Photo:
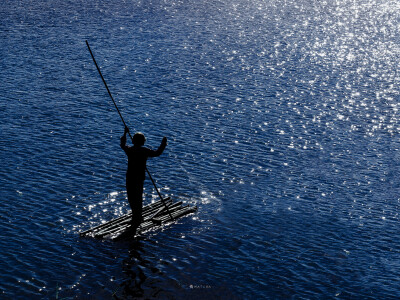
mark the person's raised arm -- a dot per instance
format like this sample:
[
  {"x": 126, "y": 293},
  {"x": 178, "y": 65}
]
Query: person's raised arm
[
  {"x": 123, "y": 139},
  {"x": 160, "y": 149}
]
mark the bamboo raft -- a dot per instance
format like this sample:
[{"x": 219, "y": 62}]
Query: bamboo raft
[{"x": 154, "y": 215}]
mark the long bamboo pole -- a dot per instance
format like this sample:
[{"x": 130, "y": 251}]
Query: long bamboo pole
[{"x": 123, "y": 121}]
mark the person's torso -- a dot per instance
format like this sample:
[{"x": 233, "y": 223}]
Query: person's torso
[{"x": 137, "y": 157}]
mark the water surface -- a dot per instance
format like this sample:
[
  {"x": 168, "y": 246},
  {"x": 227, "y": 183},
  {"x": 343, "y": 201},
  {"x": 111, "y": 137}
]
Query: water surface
[{"x": 283, "y": 123}]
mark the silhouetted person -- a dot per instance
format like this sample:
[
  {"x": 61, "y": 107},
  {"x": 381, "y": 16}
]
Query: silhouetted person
[{"x": 135, "y": 175}]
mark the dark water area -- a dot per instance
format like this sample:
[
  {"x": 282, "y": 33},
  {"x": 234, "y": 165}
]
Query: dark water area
[{"x": 283, "y": 127}]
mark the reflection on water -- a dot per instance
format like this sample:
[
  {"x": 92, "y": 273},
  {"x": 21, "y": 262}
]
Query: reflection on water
[{"x": 135, "y": 277}]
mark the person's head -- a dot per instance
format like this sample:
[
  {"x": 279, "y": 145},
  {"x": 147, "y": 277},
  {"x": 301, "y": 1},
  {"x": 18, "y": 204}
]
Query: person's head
[{"x": 139, "y": 139}]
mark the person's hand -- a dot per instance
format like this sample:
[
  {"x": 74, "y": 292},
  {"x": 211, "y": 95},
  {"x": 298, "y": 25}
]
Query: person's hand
[
  {"x": 164, "y": 140},
  {"x": 126, "y": 130}
]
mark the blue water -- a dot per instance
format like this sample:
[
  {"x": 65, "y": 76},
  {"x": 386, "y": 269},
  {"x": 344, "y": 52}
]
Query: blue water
[{"x": 283, "y": 127}]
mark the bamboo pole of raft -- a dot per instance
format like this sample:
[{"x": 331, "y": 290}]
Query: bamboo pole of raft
[
  {"x": 120, "y": 233},
  {"x": 116, "y": 227},
  {"x": 125, "y": 223},
  {"x": 123, "y": 121},
  {"x": 176, "y": 210},
  {"x": 150, "y": 207},
  {"x": 121, "y": 219}
]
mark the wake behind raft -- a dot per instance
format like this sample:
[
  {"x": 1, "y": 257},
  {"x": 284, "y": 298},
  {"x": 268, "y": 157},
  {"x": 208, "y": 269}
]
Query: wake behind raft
[{"x": 154, "y": 215}]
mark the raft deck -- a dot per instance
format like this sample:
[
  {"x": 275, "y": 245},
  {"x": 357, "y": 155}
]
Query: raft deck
[{"x": 154, "y": 216}]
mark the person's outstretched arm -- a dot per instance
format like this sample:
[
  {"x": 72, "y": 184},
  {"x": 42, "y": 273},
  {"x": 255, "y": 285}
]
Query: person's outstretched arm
[{"x": 160, "y": 149}]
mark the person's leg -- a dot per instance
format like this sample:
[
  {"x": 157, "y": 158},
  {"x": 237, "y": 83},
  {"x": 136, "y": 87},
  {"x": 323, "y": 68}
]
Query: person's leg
[
  {"x": 136, "y": 204},
  {"x": 135, "y": 197}
]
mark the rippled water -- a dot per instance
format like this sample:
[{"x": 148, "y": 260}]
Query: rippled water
[{"x": 283, "y": 124}]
